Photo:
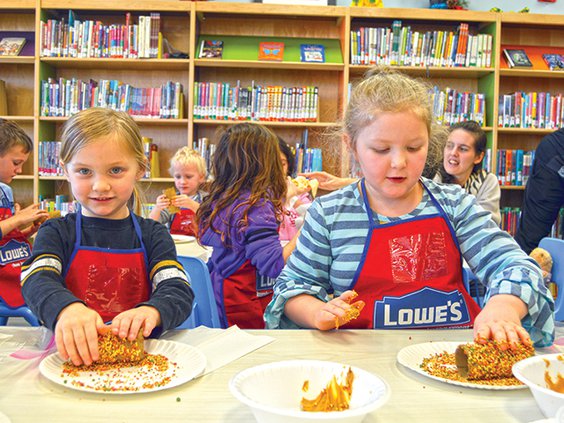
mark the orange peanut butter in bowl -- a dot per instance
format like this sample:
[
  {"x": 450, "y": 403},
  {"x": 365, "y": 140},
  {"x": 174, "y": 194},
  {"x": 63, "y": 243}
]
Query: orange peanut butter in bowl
[{"x": 336, "y": 396}]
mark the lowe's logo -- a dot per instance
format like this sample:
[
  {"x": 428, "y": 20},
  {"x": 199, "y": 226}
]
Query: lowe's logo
[
  {"x": 427, "y": 307},
  {"x": 14, "y": 251}
]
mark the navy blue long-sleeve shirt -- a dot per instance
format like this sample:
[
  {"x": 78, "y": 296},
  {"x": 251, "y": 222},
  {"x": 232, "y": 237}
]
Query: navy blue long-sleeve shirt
[
  {"x": 43, "y": 286},
  {"x": 544, "y": 194}
]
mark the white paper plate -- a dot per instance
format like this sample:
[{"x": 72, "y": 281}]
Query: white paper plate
[
  {"x": 181, "y": 239},
  {"x": 412, "y": 357},
  {"x": 190, "y": 363}
]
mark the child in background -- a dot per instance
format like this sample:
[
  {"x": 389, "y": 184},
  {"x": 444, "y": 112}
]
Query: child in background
[
  {"x": 240, "y": 220},
  {"x": 16, "y": 224},
  {"x": 397, "y": 238},
  {"x": 104, "y": 262},
  {"x": 188, "y": 168},
  {"x": 296, "y": 201}
]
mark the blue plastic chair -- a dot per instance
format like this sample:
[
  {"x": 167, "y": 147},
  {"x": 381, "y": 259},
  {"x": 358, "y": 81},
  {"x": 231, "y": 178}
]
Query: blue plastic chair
[
  {"x": 6, "y": 312},
  {"x": 204, "y": 309},
  {"x": 555, "y": 247},
  {"x": 473, "y": 286}
]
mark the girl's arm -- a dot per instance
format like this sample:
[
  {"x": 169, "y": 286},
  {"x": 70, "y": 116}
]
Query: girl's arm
[
  {"x": 260, "y": 240},
  {"x": 310, "y": 312},
  {"x": 75, "y": 325},
  {"x": 328, "y": 181},
  {"x": 499, "y": 263},
  {"x": 306, "y": 272},
  {"x": 501, "y": 320},
  {"x": 42, "y": 282},
  {"x": 172, "y": 296}
]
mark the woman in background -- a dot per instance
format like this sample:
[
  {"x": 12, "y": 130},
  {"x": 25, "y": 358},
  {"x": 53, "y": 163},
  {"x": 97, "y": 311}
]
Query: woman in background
[{"x": 462, "y": 165}]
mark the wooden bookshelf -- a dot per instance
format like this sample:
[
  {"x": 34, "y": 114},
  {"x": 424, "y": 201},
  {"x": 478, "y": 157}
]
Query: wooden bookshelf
[
  {"x": 18, "y": 17},
  {"x": 185, "y": 23},
  {"x": 168, "y": 134},
  {"x": 242, "y": 28},
  {"x": 536, "y": 34}
]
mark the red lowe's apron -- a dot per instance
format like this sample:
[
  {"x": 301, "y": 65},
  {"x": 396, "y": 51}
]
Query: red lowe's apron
[
  {"x": 246, "y": 294},
  {"x": 109, "y": 281},
  {"x": 14, "y": 250},
  {"x": 410, "y": 275},
  {"x": 184, "y": 223}
]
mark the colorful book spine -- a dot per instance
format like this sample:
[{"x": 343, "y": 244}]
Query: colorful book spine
[
  {"x": 221, "y": 101},
  {"x": 531, "y": 110}
]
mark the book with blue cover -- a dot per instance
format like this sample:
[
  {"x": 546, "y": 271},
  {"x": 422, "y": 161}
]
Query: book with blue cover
[
  {"x": 312, "y": 53},
  {"x": 554, "y": 61}
]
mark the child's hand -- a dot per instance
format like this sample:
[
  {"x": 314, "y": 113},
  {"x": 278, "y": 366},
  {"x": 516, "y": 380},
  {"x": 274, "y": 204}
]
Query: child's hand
[
  {"x": 76, "y": 334},
  {"x": 500, "y": 320},
  {"x": 128, "y": 323},
  {"x": 185, "y": 202},
  {"x": 334, "y": 312},
  {"x": 292, "y": 189},
  {"x": 162, "y": 202},
  {"x": 295, "y": 189},
  {"x": 30, "y": 214},
  {"x": 328, "y": 181}
]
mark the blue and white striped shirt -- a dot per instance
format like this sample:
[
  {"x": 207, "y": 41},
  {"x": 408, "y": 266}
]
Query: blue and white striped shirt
[{"x": 332, "y": 240}]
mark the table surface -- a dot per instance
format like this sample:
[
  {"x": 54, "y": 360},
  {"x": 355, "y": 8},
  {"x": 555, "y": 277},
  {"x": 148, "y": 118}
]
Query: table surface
[{"x": 26, "y": 396}]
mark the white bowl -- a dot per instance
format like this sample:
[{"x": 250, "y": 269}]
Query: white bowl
[
  {"x": 273, "y": 391},
  {"x": 531, "y": 372}
]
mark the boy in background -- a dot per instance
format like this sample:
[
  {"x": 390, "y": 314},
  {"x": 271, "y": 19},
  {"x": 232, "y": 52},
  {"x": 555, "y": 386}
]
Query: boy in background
[
  {"x": 15, "y": 147},
  {"x": 188, "y": 169}
]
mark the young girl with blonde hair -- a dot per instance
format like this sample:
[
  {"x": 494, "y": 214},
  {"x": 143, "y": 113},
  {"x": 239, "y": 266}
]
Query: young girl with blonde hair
[
  {"x": 104, "y": 263},
  {"x": 398, "y": 239}
]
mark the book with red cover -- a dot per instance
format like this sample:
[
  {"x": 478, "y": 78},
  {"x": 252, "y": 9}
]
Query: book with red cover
[{"x": 271, "y": 50}]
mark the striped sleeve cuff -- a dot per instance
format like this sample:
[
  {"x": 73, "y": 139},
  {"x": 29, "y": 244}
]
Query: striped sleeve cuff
[{"x": 45, "y": 262}]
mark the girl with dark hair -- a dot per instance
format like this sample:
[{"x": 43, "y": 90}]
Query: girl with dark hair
[
  {"x": 462, "y": 164},
  {"x": 240, "y": 220}
]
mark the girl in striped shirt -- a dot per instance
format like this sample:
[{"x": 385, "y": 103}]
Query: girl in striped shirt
[{"x": 398, "y": 239}]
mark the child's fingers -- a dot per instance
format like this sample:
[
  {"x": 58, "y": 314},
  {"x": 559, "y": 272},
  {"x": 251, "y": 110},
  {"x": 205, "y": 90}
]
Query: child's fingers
[
  {"x": 91, "y": 334},
  {"x": 71, "y": 348},
  {"x": 135, "y": 327},
  {"x": 482, "y": 334},
  {"x": 59, "y": 341},
  {"x": 328, "y": 315},
  {"x": 514, "y": 335},
  {"x": 120, "y": 325},
  {"x": 348, "y": 296},
  {"x": 82, "y": 343},
  {"x": 103, "y": 329},
  {"x": 524, "y": 335},
  {"x": 494, "y": 331},
  {"x": 148, "y": 329}
]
